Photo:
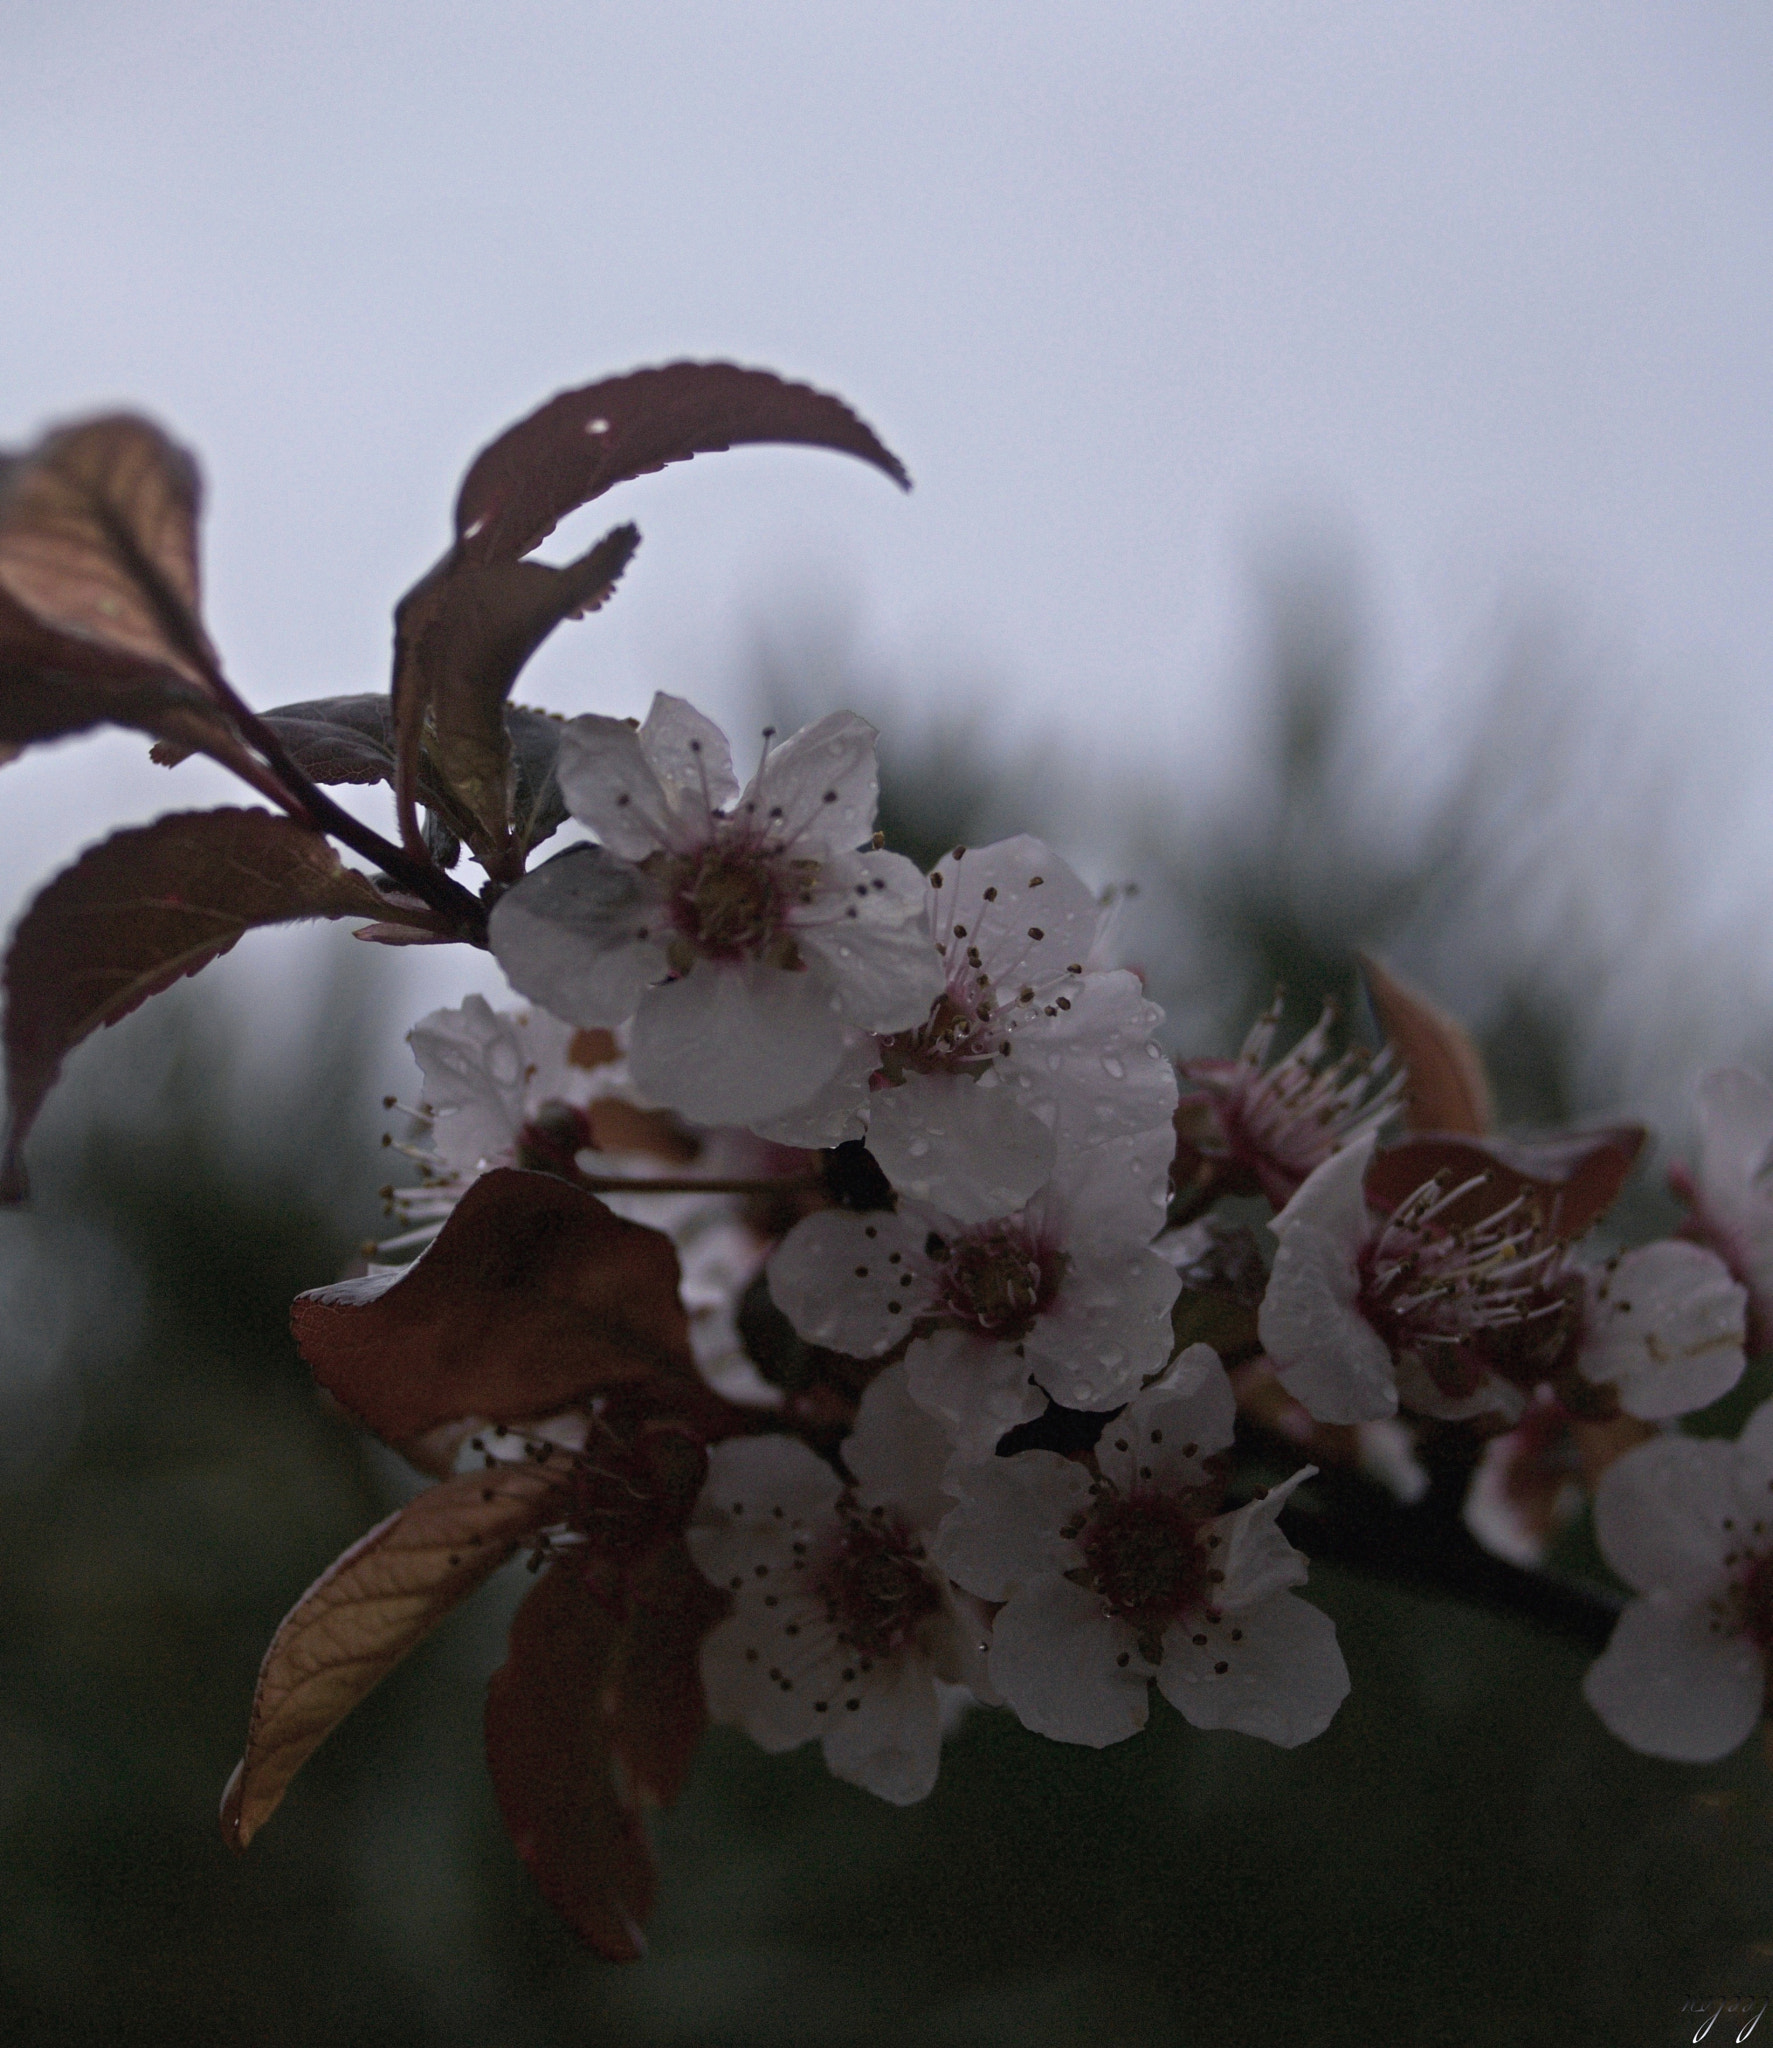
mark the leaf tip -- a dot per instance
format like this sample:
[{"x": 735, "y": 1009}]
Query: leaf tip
[{"x": 237, "y": 1828}]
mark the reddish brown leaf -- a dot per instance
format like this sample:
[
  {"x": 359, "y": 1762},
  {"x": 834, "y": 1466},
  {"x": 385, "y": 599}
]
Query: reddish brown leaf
[
  {"x": 533, "y": 1296},
  {"x": 1445, "y": 1085},
  {"x": 98, "y": 543},
  {"x": 583, "y": 443},
  {"x": 99, "y": 614},
  {"x": 1572, "y": 1179},
  {"x": 548, "y": 1749},
  {"x": 460, "y": 638},
  {"x": 135, "y": 913},
  {"x": 656, "y": 1706},
  {"x": 366, "y": 1611}
]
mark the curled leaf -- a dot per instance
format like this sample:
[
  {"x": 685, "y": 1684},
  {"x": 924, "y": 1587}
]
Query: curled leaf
[
  {"x": 134, "y": 914},
  {"x": 534, "y": 1295},
  {"x": 548, "y": 1747},
  {"x": 461, "y": 636},
  {"x": 1445, "y": 1087},
  {"x": 585, "y": 442},
  {"x": 1570, "y": 1180},
  {"x": 366, "y": 1611}
]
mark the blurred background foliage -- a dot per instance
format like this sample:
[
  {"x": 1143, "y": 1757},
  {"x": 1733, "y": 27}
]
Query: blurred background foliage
[{"x": 1464, "y": 1858}]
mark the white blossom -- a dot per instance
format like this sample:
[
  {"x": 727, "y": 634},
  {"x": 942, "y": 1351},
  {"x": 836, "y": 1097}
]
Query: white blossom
[
  {"x": 1277, "y": 1124},
  {"x": 743, "y": 932},
  {"x": 1363, "y": 1309},
  {"x": 1062, "y": 1297},
  {"x": 841, "y": 1627},
  {"x": 487, "y": 1073},
  {"x": 1110, "y": 1580},
  {"x": 1664, "y": 1327},
  {"x": 1029, "y": 1053},
  {"x": 1687, "y": 1523},
  {"x": 1732, "y": 1195}
]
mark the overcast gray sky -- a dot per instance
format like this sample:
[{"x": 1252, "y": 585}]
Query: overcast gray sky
[{"x": 1487, "y": 289}]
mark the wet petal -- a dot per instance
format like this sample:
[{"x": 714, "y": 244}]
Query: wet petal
[
  {"x": 729, "y": 1043},
  {"x": 1665, "y": 1327},
  {"x": 840, "y": 1278},
  {"x": 582, "y": 935},
  {"x": 973, "y": 1151}
]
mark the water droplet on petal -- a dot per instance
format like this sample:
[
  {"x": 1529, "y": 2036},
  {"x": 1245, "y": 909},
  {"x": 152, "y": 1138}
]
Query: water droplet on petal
[
  {"x": 1113, "y": 1068},
  {"x": 918, "y": 1148}
]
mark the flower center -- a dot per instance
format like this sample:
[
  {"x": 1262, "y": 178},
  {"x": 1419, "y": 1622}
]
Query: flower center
[
  {"x": 876, "y": 1588},
  {"x": 995, "y": 1281},
  {"x": 1145, "y": 1555},
  {"x": 1483, "y": 1296},
  {"x": 1746, "y": 1609},
  {"x": 730, "y": 901}
]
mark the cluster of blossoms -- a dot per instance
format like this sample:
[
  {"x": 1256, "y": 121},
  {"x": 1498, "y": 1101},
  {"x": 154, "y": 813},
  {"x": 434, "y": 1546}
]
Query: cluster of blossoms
[
  {"x": 918, "y": 1133},
  {"x": 829, "y": 1280}
]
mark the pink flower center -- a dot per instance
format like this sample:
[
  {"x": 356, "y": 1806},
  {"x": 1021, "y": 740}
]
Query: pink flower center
[
  {"x": 1145, "y": 1555},
  {"x": 1747, "y": 1608},
  {"x": 1449, "y": 1295},
  {"x": 875, "y": 1586},
  {"x": 731, "y": 900},
  {"x": 997, "y": 1280}
]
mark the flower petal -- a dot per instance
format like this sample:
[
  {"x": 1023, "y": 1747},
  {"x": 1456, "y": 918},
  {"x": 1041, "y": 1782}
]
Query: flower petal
[
  {"x": 891, "y": 1745},
  {"x": 1107, "y": 1329},
  {"x": 825, "y": 783},
  {"x": 1273, "y": 1670},
  {"x": 897, "y": 1453},
  {"x": 972, "y": 1150},
  {"x": 1255, "y": 1557},
  {"x": 1665, "y": 1327},
  {"x": 609, "y": 784},
  {"x": 730, "y": 1042},
  {"x": 1093, "y": 1072},
  {"x": 569, "y": 936},
  {"x": 839, "y": 1277},
  {"x": 977, "y": 1389},
  {"x": 1659, "y": 1513},
  {"x": 1038, "y": 923},
  {"x": 1324, "y": 1351},
  {"x": 1668, "y": 1686},
  {"x": 735, "y": 1526},
  {"x": 839, "y": 1110},
  {"x": 1172, "y": 1428},
  {"x": 1066, "y": 1668},
  {"x": 473, "y": 1065},
  {"x": 690, "y": 756},
  {"x": 868, "y": 921},
  {"x": 1006, "y": 1528}
]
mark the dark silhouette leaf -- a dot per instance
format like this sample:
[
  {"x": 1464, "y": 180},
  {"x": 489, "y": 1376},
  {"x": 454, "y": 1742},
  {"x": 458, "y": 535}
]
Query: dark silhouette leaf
[
  {"x": 367, "y": 1610},
  {"x": 134, "y": 914},
  {"x": 584, "y": 442},
  {"x": 657, "y": 1709},
  {"x": 533, "y": 1296},
  {"x": 548, "y": 1747}
]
